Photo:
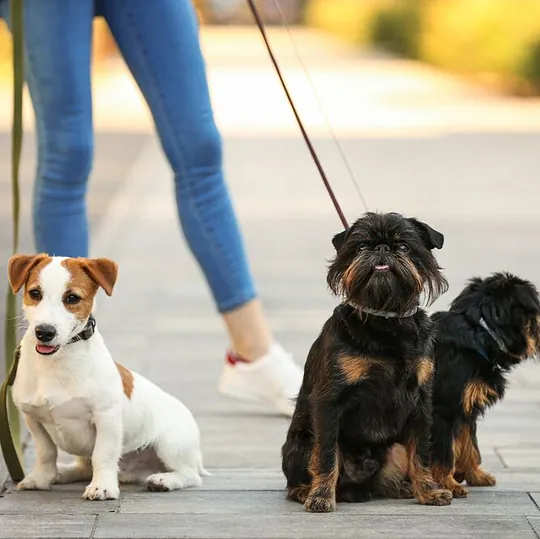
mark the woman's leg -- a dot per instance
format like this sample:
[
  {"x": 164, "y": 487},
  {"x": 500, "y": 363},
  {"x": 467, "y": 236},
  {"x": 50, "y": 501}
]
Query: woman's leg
[
  {"x": 57, "y": 47},
  {"x": 160, "y": 43}
]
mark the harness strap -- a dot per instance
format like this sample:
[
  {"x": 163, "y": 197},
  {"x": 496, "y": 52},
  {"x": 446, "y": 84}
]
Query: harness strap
[{"x": 10, "y": 434}]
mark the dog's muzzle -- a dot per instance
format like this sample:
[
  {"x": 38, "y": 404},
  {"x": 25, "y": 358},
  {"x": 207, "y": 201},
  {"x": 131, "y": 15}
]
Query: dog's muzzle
[{"x": 45, "y": 333}]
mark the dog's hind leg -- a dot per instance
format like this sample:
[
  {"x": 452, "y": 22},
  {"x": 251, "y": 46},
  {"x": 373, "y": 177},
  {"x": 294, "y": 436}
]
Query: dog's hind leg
[
  {"x": 183, "y": 464},
  {"x": 392, "y": 480},
  {"x": 78, "y": 471},
  {"x": 469, "y": 461},
  {"x": 355, "y": 492},
  {"x": 136, "y": 466}
]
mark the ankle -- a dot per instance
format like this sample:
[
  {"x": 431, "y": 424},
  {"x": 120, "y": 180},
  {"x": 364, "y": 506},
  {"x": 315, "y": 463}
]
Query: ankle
[
  {"x": 249, "y": 354},
  {"x": 248, "y": 330}
]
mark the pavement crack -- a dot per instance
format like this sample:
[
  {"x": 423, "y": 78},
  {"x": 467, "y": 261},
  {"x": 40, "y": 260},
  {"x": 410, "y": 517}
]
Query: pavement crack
[
  {"x": 119, "y": 504},
  {"x": 533, "y": 500},
  {"x": 532, "y": 528},
  {"x": 500, "y": 457},
  {"x": 94, "y": 527}
]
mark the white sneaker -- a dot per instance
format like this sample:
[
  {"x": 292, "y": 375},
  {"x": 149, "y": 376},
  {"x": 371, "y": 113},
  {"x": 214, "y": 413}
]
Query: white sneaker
[{"x": 273, "y": 380}]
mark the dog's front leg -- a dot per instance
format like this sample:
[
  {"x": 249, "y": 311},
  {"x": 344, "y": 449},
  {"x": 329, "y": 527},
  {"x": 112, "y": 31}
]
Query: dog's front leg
[
  {"x": 443, "y": 457},
  {"x": 105, "y": 456},
  {"x": 43, "y": 473},
  {"x": 425, "y": 490},
  {"x": 324, "y": 461}
]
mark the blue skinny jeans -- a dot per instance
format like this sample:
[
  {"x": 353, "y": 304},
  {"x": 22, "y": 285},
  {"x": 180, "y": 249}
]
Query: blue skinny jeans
[{"x": 160, "y": 43}]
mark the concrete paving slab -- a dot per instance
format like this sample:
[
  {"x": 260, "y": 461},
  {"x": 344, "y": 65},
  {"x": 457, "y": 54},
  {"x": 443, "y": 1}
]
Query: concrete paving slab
[
  {"x": 43, "y": 527},
  {"x": 300, "y": 526}
]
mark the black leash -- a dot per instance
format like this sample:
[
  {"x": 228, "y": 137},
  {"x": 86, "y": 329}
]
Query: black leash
[{"x": 260, "y": 24}]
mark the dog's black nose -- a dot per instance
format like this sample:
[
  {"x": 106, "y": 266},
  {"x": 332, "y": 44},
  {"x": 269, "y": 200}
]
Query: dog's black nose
[
  {"x": 45, "y": 333},
  {"x": 382, "y": 248}
]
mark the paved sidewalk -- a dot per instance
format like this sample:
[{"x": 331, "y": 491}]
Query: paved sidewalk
[{"x": 480, "y": 189}]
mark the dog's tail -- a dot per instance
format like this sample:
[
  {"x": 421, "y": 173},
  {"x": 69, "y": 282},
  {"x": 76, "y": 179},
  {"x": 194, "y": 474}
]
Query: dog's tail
[{"x": 200, "y": 467}]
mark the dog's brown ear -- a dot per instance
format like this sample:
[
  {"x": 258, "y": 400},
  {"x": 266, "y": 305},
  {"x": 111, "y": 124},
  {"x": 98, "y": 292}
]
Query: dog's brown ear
[
  {"x": 103, "y": 271},
  {"x": 20, "y": 266},
  {"x": 432, "y": 238},
  {"x": 339, "y": 239}
]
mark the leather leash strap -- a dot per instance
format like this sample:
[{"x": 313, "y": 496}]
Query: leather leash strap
[
  {"x": 9, "y": 449},
  {"x": 11, "y": 457},
  {"x": 260, "y": 24}
]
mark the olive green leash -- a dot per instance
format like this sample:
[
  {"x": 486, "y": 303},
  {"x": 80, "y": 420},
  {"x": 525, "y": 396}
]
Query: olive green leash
[{"x": 10, "y": 441}]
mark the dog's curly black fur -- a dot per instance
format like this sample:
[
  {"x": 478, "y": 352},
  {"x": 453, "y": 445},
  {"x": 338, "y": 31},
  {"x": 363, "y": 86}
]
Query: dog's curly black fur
[
  {"x": 472, "y": 363},
  {"x": 362, "y": 419}
]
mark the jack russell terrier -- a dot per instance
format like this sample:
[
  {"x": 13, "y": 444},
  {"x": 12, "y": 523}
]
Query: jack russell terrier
[{"x": 73, "y": 396}]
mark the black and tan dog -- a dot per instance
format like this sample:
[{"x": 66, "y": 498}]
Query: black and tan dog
[
  {"x": 492, "y": 326},
  {"x": 362, "y": 419}
]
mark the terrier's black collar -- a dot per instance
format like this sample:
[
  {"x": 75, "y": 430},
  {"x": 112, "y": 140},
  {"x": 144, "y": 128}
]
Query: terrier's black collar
[{"x": 87, "y": 332}]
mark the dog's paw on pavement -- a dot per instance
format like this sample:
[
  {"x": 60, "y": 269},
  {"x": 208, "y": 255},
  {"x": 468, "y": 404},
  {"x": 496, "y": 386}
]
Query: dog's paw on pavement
[
  {"x": 101, "y": 492},
  {"x": 36, "y": 482}
]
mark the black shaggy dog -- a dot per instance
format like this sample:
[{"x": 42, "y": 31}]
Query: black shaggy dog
[
  {"x": 362, "y": 419},
  {"x": 491, "y": 327}
]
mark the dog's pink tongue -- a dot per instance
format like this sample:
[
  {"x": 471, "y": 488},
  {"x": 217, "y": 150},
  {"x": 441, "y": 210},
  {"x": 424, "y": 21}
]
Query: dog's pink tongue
[
  {"x": 44, "y": 349},
  {"x": 382, "y": 267}
]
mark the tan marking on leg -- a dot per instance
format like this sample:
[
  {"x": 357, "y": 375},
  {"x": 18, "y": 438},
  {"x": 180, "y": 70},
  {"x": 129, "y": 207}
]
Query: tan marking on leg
[
  {"x": 392, "y": 479},
  {"x": 445, "y": 479},
  {"x": 425, "y": 489},
  {"x": 477, "y": 393},
  {"x": 468, "y": 461},
  {"x": 322, "y": 493},
  {"x": 299, "y": 493}
]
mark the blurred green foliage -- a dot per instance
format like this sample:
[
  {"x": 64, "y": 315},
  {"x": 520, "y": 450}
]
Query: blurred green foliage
[
  {"x": 396, "y": 28},
  {"x": 494, "y": 41}
]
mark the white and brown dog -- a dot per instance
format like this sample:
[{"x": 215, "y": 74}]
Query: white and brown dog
[{"x": 73, "y": 396}]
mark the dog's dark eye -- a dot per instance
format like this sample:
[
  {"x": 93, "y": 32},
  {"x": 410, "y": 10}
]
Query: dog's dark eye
[
  {"x": 362, "y": 247},
  {"x": 403, "y": 248},
  {"x": 35, "y": 294},
  {"x": 72, "y": 299}
]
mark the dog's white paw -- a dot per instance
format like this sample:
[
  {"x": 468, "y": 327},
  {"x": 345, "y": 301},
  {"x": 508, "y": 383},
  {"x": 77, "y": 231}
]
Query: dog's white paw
[
  {"x": 36, "y": 482},
  {"x": 101, "y": 492},
  {"x": 163, "y": 482},
  {"x": 160, "y": 482}
]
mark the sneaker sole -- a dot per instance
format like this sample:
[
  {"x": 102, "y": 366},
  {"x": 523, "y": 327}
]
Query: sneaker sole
[{"x": 283, "y": 407}]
